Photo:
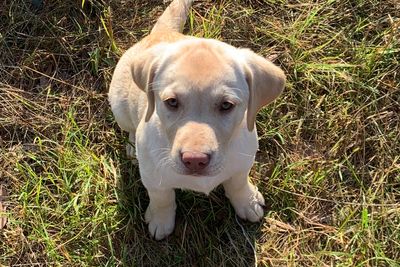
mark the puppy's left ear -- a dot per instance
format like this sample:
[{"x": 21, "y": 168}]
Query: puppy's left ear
[{"x": 265, "y": 81}]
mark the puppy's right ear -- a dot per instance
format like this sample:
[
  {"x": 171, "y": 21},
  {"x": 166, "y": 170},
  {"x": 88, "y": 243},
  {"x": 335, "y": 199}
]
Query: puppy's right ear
[{"x": 143, "y": 70}]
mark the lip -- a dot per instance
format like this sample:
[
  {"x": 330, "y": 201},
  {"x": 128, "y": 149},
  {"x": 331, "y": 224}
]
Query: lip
[
  {"x": 196, "y": 174},
  {"x": 207, "y": 172}
]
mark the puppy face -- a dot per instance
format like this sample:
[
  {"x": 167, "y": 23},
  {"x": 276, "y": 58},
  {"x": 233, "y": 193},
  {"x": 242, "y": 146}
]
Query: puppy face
[
  {"x": 200, "y": 97},
  {"x": 200, "y": 91}
]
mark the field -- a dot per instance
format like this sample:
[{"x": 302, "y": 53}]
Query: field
[{"x": 329, "y": 158}]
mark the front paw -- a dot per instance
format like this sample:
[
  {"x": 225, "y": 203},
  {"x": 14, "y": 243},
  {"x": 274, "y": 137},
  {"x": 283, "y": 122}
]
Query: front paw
[
  {"x": 161, "y": 222},
  {"x": 249, "y": 204}
]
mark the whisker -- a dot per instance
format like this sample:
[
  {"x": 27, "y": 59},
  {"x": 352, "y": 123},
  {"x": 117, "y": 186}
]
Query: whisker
[
  {"x": 160, "y": 149},
  {"x": 244, "y": 154}
]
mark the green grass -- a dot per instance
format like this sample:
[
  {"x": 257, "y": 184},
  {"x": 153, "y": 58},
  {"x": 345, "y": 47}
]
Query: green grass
[{"x": 329, "y": 159}]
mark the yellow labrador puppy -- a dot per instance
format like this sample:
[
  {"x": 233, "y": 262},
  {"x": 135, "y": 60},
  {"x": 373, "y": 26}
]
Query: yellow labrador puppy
[{"x": 190, "y": 104}]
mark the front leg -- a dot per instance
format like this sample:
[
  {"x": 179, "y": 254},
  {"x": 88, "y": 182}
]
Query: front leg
[
  {"x": 245, "y": 197},
  {"x": 160, "y": 214},
  {"x": 130, "y": 149}
]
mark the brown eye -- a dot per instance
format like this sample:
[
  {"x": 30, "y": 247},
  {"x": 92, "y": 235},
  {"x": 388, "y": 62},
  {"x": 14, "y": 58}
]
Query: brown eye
[
  {"x": 172, "y": 103},
  {"x": 226, "y": 106}
]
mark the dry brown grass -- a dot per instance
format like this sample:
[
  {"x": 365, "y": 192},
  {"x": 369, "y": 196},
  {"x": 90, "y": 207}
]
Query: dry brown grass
[{"x": 329, "y": 147}]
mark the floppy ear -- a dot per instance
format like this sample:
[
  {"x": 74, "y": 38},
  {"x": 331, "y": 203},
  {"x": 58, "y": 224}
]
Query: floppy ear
[
  {"x": 143, "y": 70},
  {"x": 265, "y": 81}
]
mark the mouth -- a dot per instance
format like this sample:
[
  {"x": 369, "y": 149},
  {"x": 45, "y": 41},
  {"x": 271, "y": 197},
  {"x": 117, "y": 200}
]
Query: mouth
[
  {"x": 208, "y": 172},
  {"x": 196, "y": 174}
]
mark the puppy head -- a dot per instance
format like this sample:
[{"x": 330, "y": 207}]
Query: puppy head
[{"x": 201, "y": 90}]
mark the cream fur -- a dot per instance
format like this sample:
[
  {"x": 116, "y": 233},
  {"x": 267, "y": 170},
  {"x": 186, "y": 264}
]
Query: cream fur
[{"x": 200, "y": 74}]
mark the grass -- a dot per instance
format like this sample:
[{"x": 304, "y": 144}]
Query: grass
[{"x": 329, "y": 159}]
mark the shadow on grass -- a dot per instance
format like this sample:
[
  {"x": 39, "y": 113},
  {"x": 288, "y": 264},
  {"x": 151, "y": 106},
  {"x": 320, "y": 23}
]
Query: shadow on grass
[{"x": 207, "y": 231}]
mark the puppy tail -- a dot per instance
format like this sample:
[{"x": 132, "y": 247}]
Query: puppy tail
[{"x": 174, "y": 17}]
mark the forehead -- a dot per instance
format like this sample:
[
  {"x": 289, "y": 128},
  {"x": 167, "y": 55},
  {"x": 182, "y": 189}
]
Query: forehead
[{"x": 201, "y": 66}]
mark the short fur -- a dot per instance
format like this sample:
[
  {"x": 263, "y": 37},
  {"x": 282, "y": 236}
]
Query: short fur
[{"x": 202, "y": 75}]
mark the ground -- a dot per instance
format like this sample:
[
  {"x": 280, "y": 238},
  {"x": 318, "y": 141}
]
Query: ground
[{"x": 329, "y": 157}]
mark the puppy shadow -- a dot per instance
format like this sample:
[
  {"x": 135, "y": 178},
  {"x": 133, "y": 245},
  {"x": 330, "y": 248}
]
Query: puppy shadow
[{"x": 207, "y": 231}]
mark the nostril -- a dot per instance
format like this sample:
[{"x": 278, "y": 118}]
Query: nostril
[{"x": 195, "y": 161}]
